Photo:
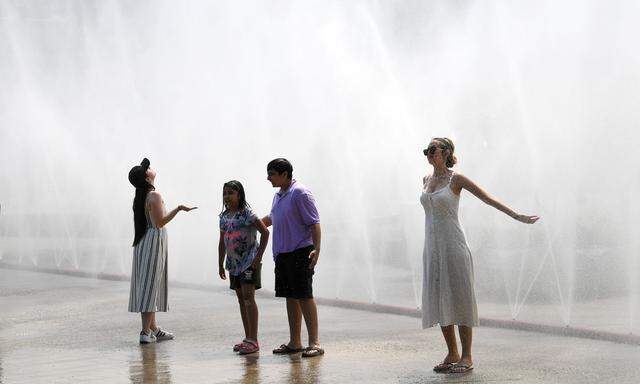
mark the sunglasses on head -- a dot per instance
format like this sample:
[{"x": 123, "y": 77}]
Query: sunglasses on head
[{"x": 431, "y": 150}]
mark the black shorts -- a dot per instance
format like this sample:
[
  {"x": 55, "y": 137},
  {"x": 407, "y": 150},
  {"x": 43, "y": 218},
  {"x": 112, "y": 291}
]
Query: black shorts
[
  {"x": 294, "y": 279},
  {"x": 248, "y": 276}
]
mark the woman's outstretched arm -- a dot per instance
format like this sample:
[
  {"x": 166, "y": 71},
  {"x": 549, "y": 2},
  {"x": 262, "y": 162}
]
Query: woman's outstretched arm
[
  {"x": 155, "y": 205},
  {"x": 463, "y": 182}
]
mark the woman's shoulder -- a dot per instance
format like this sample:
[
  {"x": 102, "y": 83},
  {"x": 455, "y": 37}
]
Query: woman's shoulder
[
  {"x": 458, "y": 179},
  {"x": 154, "y": 195},
  {"x": 457, "y": 176}
]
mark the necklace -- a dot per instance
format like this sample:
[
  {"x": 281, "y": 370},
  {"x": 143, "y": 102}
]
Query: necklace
[{"x": 444, "y": 176}]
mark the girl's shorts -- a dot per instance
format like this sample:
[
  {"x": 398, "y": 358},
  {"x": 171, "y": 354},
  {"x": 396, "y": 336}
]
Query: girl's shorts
[{"x": 248, "y": 276}]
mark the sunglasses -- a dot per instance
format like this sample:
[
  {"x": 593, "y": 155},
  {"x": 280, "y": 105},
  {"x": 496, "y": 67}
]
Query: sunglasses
[{"x": 431, "y": 150}]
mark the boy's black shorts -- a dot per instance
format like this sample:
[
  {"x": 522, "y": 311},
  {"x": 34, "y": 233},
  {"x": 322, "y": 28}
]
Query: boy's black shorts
[{"x": 294, "y": 279}]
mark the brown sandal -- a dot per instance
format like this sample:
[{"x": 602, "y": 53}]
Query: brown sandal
[
  {"x": 284, "y": 349},
  {"x": 313, "y": 351},
  {"x": 443, "y": 367},
  {"x": 461, "y": 368}
]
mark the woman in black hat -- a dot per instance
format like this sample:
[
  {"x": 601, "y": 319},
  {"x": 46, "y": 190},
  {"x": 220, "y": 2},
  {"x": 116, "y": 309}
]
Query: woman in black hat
[{"x": 148, "y": 293}]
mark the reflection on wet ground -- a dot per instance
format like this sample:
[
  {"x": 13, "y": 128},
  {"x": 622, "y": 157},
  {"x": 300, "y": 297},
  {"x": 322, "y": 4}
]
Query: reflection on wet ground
[
  {"x": 251, "y": 374},
  {"x": 283, "y": 369},
  {"x": 305, "y": 370},
  {"x": 150, "y": 367},
  {"x": 73, "y": 330}
]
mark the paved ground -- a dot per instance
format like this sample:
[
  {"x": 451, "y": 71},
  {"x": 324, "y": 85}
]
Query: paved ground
[{"x": 61, "y": 329}]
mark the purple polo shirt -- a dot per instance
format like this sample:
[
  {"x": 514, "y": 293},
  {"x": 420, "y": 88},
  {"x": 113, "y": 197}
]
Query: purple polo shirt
[{"x": 293, "y": 212}]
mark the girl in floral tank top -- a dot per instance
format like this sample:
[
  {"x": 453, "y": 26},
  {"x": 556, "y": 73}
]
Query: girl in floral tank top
[{"x": 238, "y": 229}]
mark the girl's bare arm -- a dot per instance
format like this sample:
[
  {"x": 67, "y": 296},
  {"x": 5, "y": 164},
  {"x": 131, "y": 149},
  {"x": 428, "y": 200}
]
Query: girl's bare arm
[
  {"x": 221, "y": 253},
  {"x": 264, "y": 240}
]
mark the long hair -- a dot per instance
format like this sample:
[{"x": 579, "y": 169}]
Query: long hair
[
  {"x": 139, "y": 216},
  {"x": 242, "y": 200}
]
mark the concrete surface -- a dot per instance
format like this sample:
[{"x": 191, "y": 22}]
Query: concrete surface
[{"x": 62, "y": 329}]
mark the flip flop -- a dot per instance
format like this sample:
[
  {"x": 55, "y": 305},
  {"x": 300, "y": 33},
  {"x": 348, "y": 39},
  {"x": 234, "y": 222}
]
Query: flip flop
[
  {"x": 443, "y": 367},
  {"x": 284, "y": 349},
  {"x": 313, "y": 352},
  {"x": 249, "y": 347},
  {"x": 461, "y": 368},
  {"x": 236, "y": 347}
]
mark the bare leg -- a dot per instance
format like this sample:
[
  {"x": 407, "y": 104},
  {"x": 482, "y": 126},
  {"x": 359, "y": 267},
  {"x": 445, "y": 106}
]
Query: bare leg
[
  {"x": 243, "y": 313},
  {"x": 449, "y": 334},
  {"x": 310, "y": 313},
  {"x": 295, "y": 323},
  {"x": 153, "y": 324},
  {"x": 147, "y": 319},
  {"x": 466, "y": 336},
  {"x": 251, "y": 310}
]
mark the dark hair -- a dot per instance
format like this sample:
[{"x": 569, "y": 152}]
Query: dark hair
[
  {"x": 242, "y": 200},
  {"x": 447, "y": 145},
  {"x": 139, "y": 216},
  {"x": 281, "y": 165},
  {"x": 138, "y": 178}
]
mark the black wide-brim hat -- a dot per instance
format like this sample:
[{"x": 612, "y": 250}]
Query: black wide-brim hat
[{"x": 138, "y": 174}]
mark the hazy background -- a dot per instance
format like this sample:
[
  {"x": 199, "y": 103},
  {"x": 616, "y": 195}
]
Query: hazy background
[{"x": 540, "y": 97}]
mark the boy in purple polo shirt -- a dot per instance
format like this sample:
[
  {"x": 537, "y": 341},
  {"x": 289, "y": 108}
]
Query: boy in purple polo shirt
[{"x": 296, "y": 248}]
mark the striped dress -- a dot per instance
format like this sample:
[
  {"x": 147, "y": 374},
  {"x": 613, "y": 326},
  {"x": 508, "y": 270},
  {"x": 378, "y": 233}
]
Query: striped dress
[{"x": 149, "y": 271}]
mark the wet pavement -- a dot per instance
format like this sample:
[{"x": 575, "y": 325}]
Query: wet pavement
[{"x": 62, "y": 329}]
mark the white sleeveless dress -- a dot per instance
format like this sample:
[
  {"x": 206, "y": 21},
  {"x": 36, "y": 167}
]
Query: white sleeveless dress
[
  {"x": 448, "y": 296},
  {"x": 148, "y": 291}
]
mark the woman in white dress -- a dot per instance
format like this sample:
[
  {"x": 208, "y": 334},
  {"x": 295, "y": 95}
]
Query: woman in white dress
[{"x": 448, "y": 296}]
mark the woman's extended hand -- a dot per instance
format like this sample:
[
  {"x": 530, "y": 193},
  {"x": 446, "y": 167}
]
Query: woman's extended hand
[
  {"x": 185, "y": 208},
  {"x": 526, "y": 219},
  {"x": 223, "y": 275}
]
